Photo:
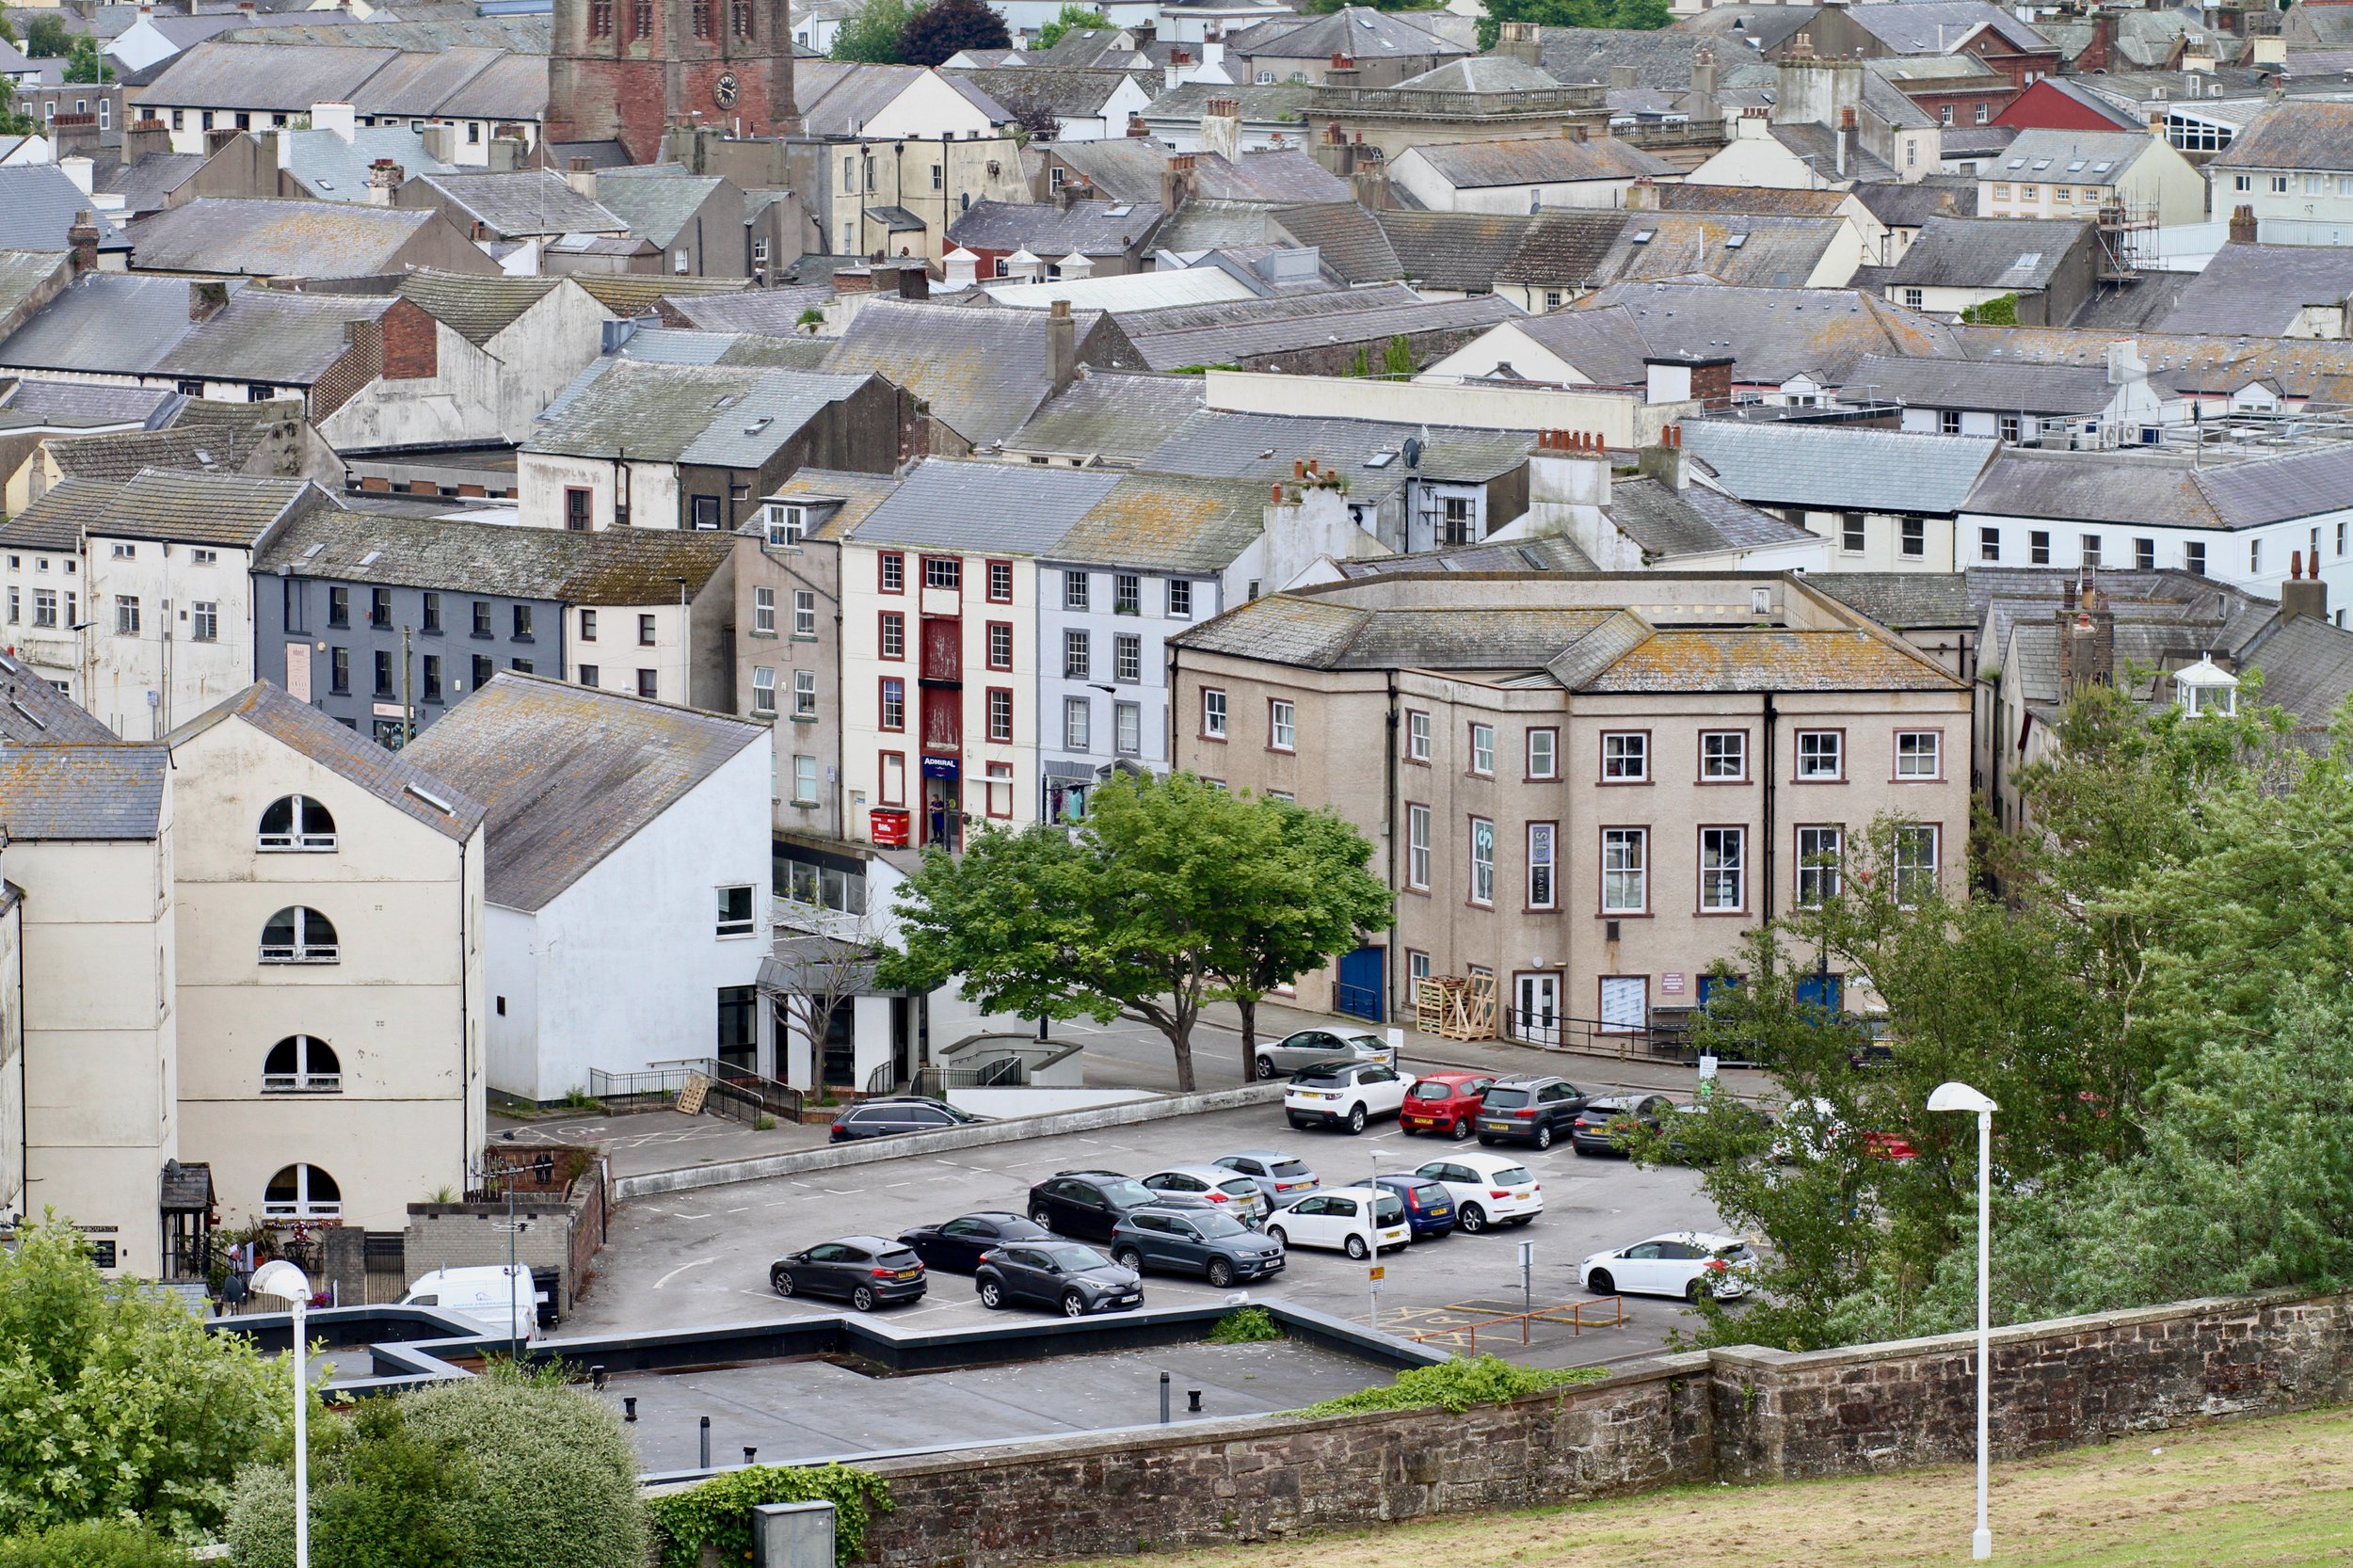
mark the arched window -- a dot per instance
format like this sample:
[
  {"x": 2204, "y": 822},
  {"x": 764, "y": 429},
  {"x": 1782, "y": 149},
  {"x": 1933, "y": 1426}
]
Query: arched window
[
  {"x": 302, "y": 1192},
  {"x": 301, "y": 1064},
  {"x": 296, "y": 822},
  {"x": 299, "y": 936}
]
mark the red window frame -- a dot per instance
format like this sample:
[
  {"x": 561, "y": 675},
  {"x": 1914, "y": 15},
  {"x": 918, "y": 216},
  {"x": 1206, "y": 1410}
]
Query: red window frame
[
  {"x": 994, "y": 627},
  {"x": 995, "y": 785},
  {"x": 883, "y": 564},
  {"x": 996, "y": 735},
  {"x": 882, "y": 636},
  {"x": 881, "y": 778},
  {"x": 996, "y": 569},
  {"x": 882, "y": 704}
]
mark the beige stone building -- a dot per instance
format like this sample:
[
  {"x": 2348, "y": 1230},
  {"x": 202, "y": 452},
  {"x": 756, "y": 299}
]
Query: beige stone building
[{"x": 1587, "y": 787}]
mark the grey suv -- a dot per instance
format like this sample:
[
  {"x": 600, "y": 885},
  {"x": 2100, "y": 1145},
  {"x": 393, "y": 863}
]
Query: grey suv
[
  {"x": 1216, "y": 1246},
  {"x": 1530, "y": 1108}
]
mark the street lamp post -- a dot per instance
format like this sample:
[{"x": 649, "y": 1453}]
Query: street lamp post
[
  {"x": 281, "y": 1279},
  {"x": 1960, "y": 1096}
]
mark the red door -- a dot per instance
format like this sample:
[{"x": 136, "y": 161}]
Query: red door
[
  {"x": 943, "y": 648},
  {"x": 943, "y": 721}
]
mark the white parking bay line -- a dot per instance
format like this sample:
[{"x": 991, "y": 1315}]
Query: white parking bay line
[{"x": 682, "y": 1269}]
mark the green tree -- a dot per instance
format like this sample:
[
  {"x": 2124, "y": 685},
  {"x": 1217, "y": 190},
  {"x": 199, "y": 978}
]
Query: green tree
[
  {"x": 870, "y": 33},
  {"x": 506, "y": 1470},
  {"x": 1635, "y": 15},
  {"x": 115, "y": 1403},
  {"x": 1066, "y": 18},
  {"x": 948, "y": 27},
  {"x": 46, "y": 38},
  {"x": 84, "y": 63},
  {"x": 1170, "y": 893},
  {"x": 1297, "y": 911},
  {"x": 1396, "y": 357}
]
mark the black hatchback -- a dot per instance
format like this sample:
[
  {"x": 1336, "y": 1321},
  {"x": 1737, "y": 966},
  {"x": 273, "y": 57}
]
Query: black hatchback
[
  {"x": 1091, "y": 1204},
  {"x": 880, "y": 1118},
  {"x": 1077, "y": 1280},
  {"x": 1528, "y": 1107},
  {"x": 1605, "y": 1123},
  {"x": 958, "y": 1244},
  {"x": 867, "y": 1272}
]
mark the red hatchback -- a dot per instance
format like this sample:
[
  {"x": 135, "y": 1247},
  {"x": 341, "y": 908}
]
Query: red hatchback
[{"x": 1444, "y": 1102}]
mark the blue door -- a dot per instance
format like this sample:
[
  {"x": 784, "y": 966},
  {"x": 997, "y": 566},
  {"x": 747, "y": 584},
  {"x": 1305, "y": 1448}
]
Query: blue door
[
  {"x": 1825, "y": 991},
  {"x": 1361, "y": 985}
]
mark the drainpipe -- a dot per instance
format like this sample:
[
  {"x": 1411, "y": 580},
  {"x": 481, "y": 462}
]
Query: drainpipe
[
  {"x": 1772, "y": 837},
  {"x": 1396, "y": 959}
]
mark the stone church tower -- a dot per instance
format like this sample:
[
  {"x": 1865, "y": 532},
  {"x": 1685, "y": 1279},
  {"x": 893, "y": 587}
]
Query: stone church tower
[{"x": 624, "y": 70}]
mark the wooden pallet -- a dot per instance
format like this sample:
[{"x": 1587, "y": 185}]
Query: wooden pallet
[
  {"x": 1456, "y": 1007},
  {"x": 690, "y": 1095}
]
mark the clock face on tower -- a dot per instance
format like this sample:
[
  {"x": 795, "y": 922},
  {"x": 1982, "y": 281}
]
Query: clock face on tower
[{"x": 724, "y": 89}]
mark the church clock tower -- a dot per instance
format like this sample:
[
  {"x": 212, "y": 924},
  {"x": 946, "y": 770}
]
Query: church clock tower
[{"x": 624, "y": 70}]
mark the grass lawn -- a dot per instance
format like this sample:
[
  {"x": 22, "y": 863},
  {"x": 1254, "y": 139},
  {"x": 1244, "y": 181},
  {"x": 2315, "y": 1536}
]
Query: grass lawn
[{"x": 2272, "y": 1494}]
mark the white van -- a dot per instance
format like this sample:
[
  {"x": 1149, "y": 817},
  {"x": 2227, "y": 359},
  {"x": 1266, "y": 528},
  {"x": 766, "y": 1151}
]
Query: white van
[{"x": 487, "y": 1296}]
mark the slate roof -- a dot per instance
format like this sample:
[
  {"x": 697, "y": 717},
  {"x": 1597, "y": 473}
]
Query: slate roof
[
  {"x": 1482, "y": 74},
  {"x": 1680, "y": 659},
  {"x": 526, "y": 201},
  {"x": 1168, "y": 522},
  {"x": 1086, "y": 228},
  {"x": 1902, "y": 600},
  {"x": 655, "y": 204},
  {"x": 308, "y": 239},
  {"x": 1355, "y": 30},
  {"x": 773, "y": 312},
  {"x": 1902, "y": 206},
  {"x": 77, "y": 793},
  {"x": 1552, "y": 554},
  {"x": 1129, "y": 169},
  {"x": 1772, "y": 334},
  {"x": 2137, "y": 488},
  {"x": 58, "y": 520},
  {"x": 2069, "y": 157},
  {"x": 203, "y": 509},
  {"x": 614, "y": 566},
  {"x": 1260, "y": 100},
  {"x": 476, "y": 306},
  {"x": 2301, "y": 367},
  {"x": 69, "y": 401},
  {"x": 2302, "y": 133},
  {"x": 1070, "y": 93},
  {"x": 273, "y": 335},
  {"x": 392, "y": 778},
  {"x": 1262, "y": 447},
  {"x": 1015, "y": 508},
  {"x": 2003, "y": 387},
  {"x": 1113, "y": 416},
  {"x": 1299, "y": 331},
  {"x": 853, "y": 495},
  {"x": 727, "y": 416},
  {"x": 2307, "y": 667},
  {"x": 1473, "y": 251},
  {"x": 1684, "y": 197},
  {"x": 1841, "y": 467},
  {"x": 1938, "y": 26},
  {"x": 330, "y": 169},
  {"x": 119, "y": 456},
  {"x": 637, "y": 294},
  {"x": 2020, "y": 253},
  {"x": 1695, "y": 520},
  {"x": 22, "y": 273},
  {"x": 32, "y": 712},
  {"x": 1348, "y": 240},
  {"x": 1660, "y": 59},
  {"x": 570, "y": 773},
  {"x": 982, "y": 371},
  {"x": 1538, "y": 160},
  {"x": 1762, "y": 250},
  {"x": 2259, "y": 290},
  {"x": 37, "y": 207}
]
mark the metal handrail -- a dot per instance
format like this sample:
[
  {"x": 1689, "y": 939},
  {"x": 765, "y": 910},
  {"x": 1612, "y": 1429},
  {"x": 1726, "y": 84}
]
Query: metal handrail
[
  {"x": 1576, "y": 1320},
  {"x": 737, "y": 1092}
]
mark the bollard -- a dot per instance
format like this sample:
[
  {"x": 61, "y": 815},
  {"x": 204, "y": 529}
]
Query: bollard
[
  {"x": 596, "y": 1379},
  {"x": 629, "y": 1407},
  {"x": 1193, "y": 1400},
  {"x": 703, "y": 1453},
  {"x": 1163, "y": 1399},
  {"x": 749, "y": 1453}
]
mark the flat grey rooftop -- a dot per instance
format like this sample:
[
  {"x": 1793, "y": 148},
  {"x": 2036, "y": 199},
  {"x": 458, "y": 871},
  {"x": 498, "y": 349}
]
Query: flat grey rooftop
[{"x": 797, "y": 1411}]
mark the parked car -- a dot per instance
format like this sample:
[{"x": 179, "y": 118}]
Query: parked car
[
  {"x": 958, "y": 1244},
  {"x": 880, "y": 1118},
  {"x": 1345, "y": 1093},
  {"x": 1809, "y": 1127},
  {"x": 1312, "y": 1046},
  {"x": 1428, "y": 1207},
  {"x": 1359, "y": 1220},
  {"x": 1723, "y": 1105},
  {"x": 1279, "y": 1175},
  {"x": 1445, "y": 1103},
  {"x": 1530, "y": 1108},
  {"x": 867, "y": 1272},
  {"x": 1079, "y": 1280},
  {"x": 1214, "y": 1185},
  {"x": 1089, "y": 1203},
  {"x": 1685, "y": 1263},
  {"x": 1487, "y": 1189},
  {"x": 1215, "y": 1246},
  {"x": 1605, "y": 1123}
]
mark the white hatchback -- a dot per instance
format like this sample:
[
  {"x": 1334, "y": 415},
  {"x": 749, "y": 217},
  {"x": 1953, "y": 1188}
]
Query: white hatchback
[
  {"x": 1686, "y": 1263},
  {"x": 1488, "y": 1189},
  {"x": 1359, "y": 1221}
]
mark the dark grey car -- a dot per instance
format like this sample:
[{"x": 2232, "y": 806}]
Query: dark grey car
[
  {"x": 1063, "y": 1275},
  {"x": 1216, "y": 1246},
  {"x": 865, "y": 1271}
]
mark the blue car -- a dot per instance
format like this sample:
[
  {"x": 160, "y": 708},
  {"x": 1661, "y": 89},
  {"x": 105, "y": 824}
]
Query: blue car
[{"x": 1428, "y": 1207}]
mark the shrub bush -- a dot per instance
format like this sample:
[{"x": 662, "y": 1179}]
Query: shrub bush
[
  {"x": 719, "y": 1511},
  {"x": 1245, "y": 1325},
  {"x": 1457, "y": 1385},
  {"x": 96, "y": 1543}
]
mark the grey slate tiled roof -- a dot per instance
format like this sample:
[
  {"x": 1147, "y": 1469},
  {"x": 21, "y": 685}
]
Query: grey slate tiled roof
[
  {"x": 1902, "y": 206},
  {"x": 1262, "y": 447},
  {"x": 2132, "y": 487},
  {"x": 775, "y": 312},
  {"x": 478, "y": 307},
  {"x": 1740, "y": 249},
  {"x": 2000, "y": 387},
  {"x": 68, "y": 792},
  {"x": 2259, "y": 290},
  {"x": 309, "y": 239},
  {"x": 2070, "y": 157},
  {"x": 612, "y": 566},
  {"x": 32, "y": 712},
  {"x": 329, "y": 168},
  {"x": 982, "y": 371},
  {"x": 203, "y": 509},
  {"x": 1469, "y": 251},
  {"x": 1841, "y": 467},
  {"x": 1349, "y": 240},
  {"x": 103, "y": 321},
  {"x": 58, "y": 520},
  {"x": 729, "y": 416},
  {"x": 1355, "y": 30},
  {"x": 1296, "y": 331},
  {"x": 273, "y": 335},
  {"x": 1538, "y": 160},
  {"x": 2010, "y": 253},
  {"x": 570, "y": 773},
  {"x": 1694, "y": 520},
  {"x": 524, "y": 202},
  {"x": 1553, "y": 554},
  {"x": 1017, "y": 508},
  {"x": 2307, "y": 667},
  {"x": 73, "y": 401},
  {"x": 1086, "y": 228},
  {"x": 2302, "y": 133},
  {"x": 24, "y": 273},
  {"x": 1902, "y": 599},
  {"x": 119, "y": 456},
  {"x": 1072, "y": 94},
  {"x": 1660, "y": 59},
  {"x": 1259, "y": 101},
  {"x": 1168, "y": 522},
  {"x": 392, "y": 778},
  {"x": 1482, "y": 74},
  {"x": 1117, "y": 417},
  {"x": 1936, "y": 26},
  {"x": 655, "y": 204},
  {"x": 37, "y": 207}
]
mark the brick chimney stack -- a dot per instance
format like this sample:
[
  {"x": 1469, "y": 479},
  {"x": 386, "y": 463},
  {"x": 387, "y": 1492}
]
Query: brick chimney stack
[
  {"x": 83, "y": 237},
  {"x": 2302, "y": 595},
  {"x": 2243, "y": 224}
]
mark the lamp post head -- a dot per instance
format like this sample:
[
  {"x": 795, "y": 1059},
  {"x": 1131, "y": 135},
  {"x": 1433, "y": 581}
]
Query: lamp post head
[
  {"x": 1960, "y": 1096},
  {"x": 281, "y": 1279}
]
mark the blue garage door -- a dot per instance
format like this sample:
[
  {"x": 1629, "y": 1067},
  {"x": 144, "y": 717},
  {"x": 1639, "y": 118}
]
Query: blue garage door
[
  {"x": 1825, "y": 991},
  {"x": 1361, "y": 985}
]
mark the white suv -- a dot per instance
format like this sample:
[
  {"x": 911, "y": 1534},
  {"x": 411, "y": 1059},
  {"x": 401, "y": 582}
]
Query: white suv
[
  {"x": 1345, "y": 1093},
  {"x": 1487, "y": 1188}
]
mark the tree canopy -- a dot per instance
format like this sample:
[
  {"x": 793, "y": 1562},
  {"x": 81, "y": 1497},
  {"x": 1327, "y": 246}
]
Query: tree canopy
[
  {"x": 1172, "y": 893},
  {"x": 2160, "y": 999},
  {"x": 1633, "y": 15},
  {"x": 1064, "y": 20},
  {"x": 947, "y": 27},
  {"x": 870, "y": 33}
]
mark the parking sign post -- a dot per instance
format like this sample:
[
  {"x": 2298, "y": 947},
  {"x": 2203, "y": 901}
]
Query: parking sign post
[{"x": 1373, "y": 1277}]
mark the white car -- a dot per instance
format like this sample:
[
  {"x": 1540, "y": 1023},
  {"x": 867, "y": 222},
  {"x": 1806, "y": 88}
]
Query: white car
[
  {"x": 1488, "y": 1189},
  {"x": 1345, "y": 1093},
  {"x": 1359, "y": 1220},
  {"x": 1685, "y": 1263}
]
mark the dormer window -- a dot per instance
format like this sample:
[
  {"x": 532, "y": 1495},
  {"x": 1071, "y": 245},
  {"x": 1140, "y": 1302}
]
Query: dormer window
[
  {"x": 787, "y": 526},
  {"x": 2207, "y": 688}
]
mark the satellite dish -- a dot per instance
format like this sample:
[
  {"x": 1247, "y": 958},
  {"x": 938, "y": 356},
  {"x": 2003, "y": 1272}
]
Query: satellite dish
[{"x": 1413, "y": 452}]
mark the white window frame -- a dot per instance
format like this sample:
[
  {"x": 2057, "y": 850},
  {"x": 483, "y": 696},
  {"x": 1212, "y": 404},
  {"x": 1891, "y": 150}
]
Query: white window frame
[
  {"x": 1916, "y": 747},
  {"x": 764, "y": 610},
  {"x": 1418, "y": 736},
  {"x": 1912, "y": 855},
  {"x": 1723, "y": 870},
  {"x": 805, "y": 693},
  {"x": 804, "y": 781},
  {"x": 1482, "y": 741},
  {"x": 1213, "y": 712},
  {"x": 747, "y": 924},
  {"x": 1714, "y": 755},
  {"x": 804, "y": 613},
  {"x": 1625, "y": 756},
  {"x": 1483, "y": 862},
  {"x": 1817, "y": 747},
  {"x": 763, "y": 691},
  {"x": 1624, "y": 870},
  {"x": 1821, "y": 864},
  {"x": 1418, "y": 847},
  {"x": 302, "y": 949},
  {"x": 1282, "y": 725}
]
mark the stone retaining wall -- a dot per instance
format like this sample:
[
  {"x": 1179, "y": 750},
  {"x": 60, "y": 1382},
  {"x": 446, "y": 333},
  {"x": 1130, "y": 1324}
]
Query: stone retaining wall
[{"x": 1741, "y": 1414}]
